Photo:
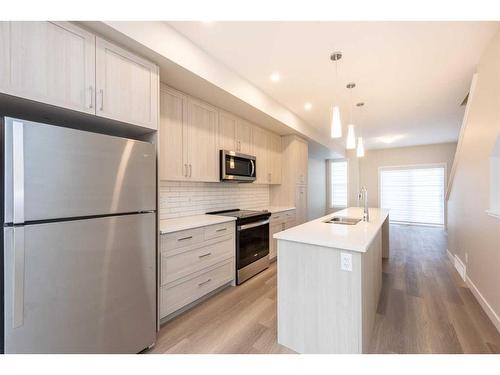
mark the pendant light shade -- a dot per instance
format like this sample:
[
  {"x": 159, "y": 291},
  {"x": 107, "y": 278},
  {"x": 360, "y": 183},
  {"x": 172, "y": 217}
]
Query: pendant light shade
[
  {"x": 336, "y": 127},
  {"x": 360, "y": 150},
  {"x": 351, "y": 138}
]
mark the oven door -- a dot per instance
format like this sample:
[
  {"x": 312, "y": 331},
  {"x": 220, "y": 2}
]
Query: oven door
[
  {"x": 237, "y": 167},
  {"x": 253, "y": 242}
]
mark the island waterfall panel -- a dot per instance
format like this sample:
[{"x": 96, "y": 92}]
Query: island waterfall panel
[{"x": 322, "y": 308}]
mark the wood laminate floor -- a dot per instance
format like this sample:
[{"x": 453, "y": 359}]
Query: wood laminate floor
[{"x": 424, "y": 307}]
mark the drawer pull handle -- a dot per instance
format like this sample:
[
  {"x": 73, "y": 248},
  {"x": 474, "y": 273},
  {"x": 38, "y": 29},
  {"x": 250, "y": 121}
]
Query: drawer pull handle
[
  {"x": 221, "y": 230},
  {"x": 185, "y": 238},
  {"x": 205, "y": 282},
  {"x": 204, "y": 255}
]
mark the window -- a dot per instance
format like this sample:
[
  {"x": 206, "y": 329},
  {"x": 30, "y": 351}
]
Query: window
[
  {"x": 413, "y": 194},
  {"x": 338, "y": 183}
]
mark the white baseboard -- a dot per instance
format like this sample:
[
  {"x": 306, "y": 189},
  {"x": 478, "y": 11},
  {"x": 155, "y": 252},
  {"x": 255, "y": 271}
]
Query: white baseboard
[
  {"x": 450, "y": 256},
  {"x": 484, "y": 304},
  {"x": 459, "y": 265}
]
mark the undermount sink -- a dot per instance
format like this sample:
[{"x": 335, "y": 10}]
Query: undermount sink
[{"x": 343, "y": 220}]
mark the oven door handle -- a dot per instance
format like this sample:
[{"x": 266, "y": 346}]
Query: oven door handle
[{"x": 253, "y": 225}]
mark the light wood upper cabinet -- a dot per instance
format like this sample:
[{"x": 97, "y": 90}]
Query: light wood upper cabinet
[
  {"x": 301, "y": 158},
  {"x": 235, "y": 134},
  {"x": 260, "y": 150},
  {"x": 49, "y": 62},
  {"x": 127, "y": 86},
  {"x": 274, "y": 158},
  {"x": 173, "y": 158},
  {"x": 227, "y": 131},
  {"x": 244, "y": 137},
  {"x": 201, "y": 141}
]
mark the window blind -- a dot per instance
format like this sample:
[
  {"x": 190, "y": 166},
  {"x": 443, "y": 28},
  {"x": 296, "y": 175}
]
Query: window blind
[
  {"x": 339, "y": 183},
  {"x": 413, "y": 195}
]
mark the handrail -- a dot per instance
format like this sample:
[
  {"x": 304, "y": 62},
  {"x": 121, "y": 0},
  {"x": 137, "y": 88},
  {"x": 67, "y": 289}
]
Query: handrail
[{"x": 461, "y": 135}]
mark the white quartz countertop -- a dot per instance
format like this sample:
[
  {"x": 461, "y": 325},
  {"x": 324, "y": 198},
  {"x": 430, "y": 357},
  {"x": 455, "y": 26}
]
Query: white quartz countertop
[
  {"x": 347, "y": 237},
  {"x": 190, "y": 222},
  {"x": 274, "y": 209}
]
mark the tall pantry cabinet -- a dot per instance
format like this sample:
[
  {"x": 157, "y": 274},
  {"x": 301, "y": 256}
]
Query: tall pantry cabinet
[{"x": 293, "y": 189}]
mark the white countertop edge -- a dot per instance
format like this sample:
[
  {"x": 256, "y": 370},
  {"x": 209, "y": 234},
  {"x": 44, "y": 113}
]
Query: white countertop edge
[
  {"x": 190, "y": 222},
  {"x": 274, "y": 209}
]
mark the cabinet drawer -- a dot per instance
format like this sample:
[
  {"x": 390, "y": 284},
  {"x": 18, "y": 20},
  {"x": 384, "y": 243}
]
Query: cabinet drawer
[
  {"x": 278, "y": 217},
  {"x": 219, "y": 230},
  {"x": 173, "y": 297},
  {"x": 180, "y": 239},
  {"x": 180, "y": 264}
]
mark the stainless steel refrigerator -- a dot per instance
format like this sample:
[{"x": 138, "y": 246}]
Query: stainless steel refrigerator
[{"x": 79, "y": 241}]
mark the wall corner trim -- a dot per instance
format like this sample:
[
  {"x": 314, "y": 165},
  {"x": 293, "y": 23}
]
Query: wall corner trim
[{"x": 495, "y": 319}]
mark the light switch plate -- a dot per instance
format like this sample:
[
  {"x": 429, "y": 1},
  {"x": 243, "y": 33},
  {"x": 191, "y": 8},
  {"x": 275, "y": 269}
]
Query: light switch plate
[{"x": 346, "y": 262}]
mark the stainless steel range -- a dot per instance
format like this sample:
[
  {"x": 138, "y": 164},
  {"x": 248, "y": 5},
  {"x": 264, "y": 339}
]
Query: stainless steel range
[{"x": 252, "y": 241}]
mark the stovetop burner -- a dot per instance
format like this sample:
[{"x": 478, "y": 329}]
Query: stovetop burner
[{"x": 240, "y": 214}]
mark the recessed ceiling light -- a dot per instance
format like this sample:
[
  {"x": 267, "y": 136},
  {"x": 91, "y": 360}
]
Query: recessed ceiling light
[
  {"x": 308, "y": 106},
  {"x": 275, "y": 77}
]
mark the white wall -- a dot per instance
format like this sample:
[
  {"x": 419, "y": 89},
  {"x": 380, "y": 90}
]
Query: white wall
[
  {"x": 473, "y": 235},
  {"x": 316, "y": 195},
  {"x": 373, "y": 159}
]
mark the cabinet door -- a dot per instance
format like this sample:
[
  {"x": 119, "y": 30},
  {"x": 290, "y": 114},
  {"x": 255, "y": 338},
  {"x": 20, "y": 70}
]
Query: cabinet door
[
  {"x": 244, "y": 137},
  {"x": 273, "y": 243},
  {"x": 227, "y": 132},
  {"x": 49, "y": 62},
  {"x": 259, "y": 143},
  {"x": 201, "y": 140},
  {"x": 173, "y": 164},
  {"x": 127, "y": 86},
  {"x": 301, "y": 161},
  {"x": 274, "y": 159},
  {"x": 5, "y": 56},
  {"x": 300, "y": 204}
]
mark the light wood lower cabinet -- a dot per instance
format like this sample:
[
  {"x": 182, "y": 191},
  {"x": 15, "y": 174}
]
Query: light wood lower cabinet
[
  {"x": 195, "y": 262},
  {"x": 279, "y": 221}
]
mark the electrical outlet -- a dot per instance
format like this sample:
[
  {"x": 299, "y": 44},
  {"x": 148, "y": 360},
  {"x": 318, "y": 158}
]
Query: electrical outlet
[{"x": 346, "y": 262}]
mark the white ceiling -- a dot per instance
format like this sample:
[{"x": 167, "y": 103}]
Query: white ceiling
[{"x": 412, "y": 76}]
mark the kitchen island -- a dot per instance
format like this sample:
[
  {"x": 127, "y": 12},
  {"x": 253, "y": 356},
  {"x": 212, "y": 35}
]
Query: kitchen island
[{"x": 329, "y": 281}]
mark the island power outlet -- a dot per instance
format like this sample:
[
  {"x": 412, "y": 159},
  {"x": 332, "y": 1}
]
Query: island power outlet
[{"x": 346, "y": 262}]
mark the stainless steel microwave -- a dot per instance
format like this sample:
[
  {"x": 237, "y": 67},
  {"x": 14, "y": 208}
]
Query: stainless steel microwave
[{"x": 237, "y": 167}]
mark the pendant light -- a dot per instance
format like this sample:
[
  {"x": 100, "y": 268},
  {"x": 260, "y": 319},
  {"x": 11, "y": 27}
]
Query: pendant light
[
  {"x": 351, "y": 136},
  {"x": 336, "y": 125},
  {"x": 360, "y": 149}
]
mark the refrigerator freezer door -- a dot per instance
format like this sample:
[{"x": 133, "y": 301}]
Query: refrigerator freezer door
[
  {"x": 53, "y": 172},
  {"x": 82, "y": 286}
]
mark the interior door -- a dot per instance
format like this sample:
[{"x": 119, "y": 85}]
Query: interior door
[
  {"x": 83, "y": 286},
  {"x": 50, "y": 62},
  {"x": 202, "y": 149},
  {"x": 54, "y": 172},
  {"x": 173, "y": 163},
  {"x": 127, "y": 86}
]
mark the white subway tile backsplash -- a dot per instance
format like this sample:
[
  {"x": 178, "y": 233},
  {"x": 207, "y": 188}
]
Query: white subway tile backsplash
[{"x": 179, "y": 199}]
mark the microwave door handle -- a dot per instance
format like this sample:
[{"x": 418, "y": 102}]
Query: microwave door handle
[{"x": 253, "y": 168}]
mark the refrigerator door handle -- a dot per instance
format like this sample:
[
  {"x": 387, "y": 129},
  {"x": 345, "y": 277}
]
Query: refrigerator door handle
[
  {"x": 18, "y": 172},
  {"x": 18, "y": 278}
]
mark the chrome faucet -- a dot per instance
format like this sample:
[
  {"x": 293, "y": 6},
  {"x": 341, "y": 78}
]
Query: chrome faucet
[{"x": 363, "y": 194}]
